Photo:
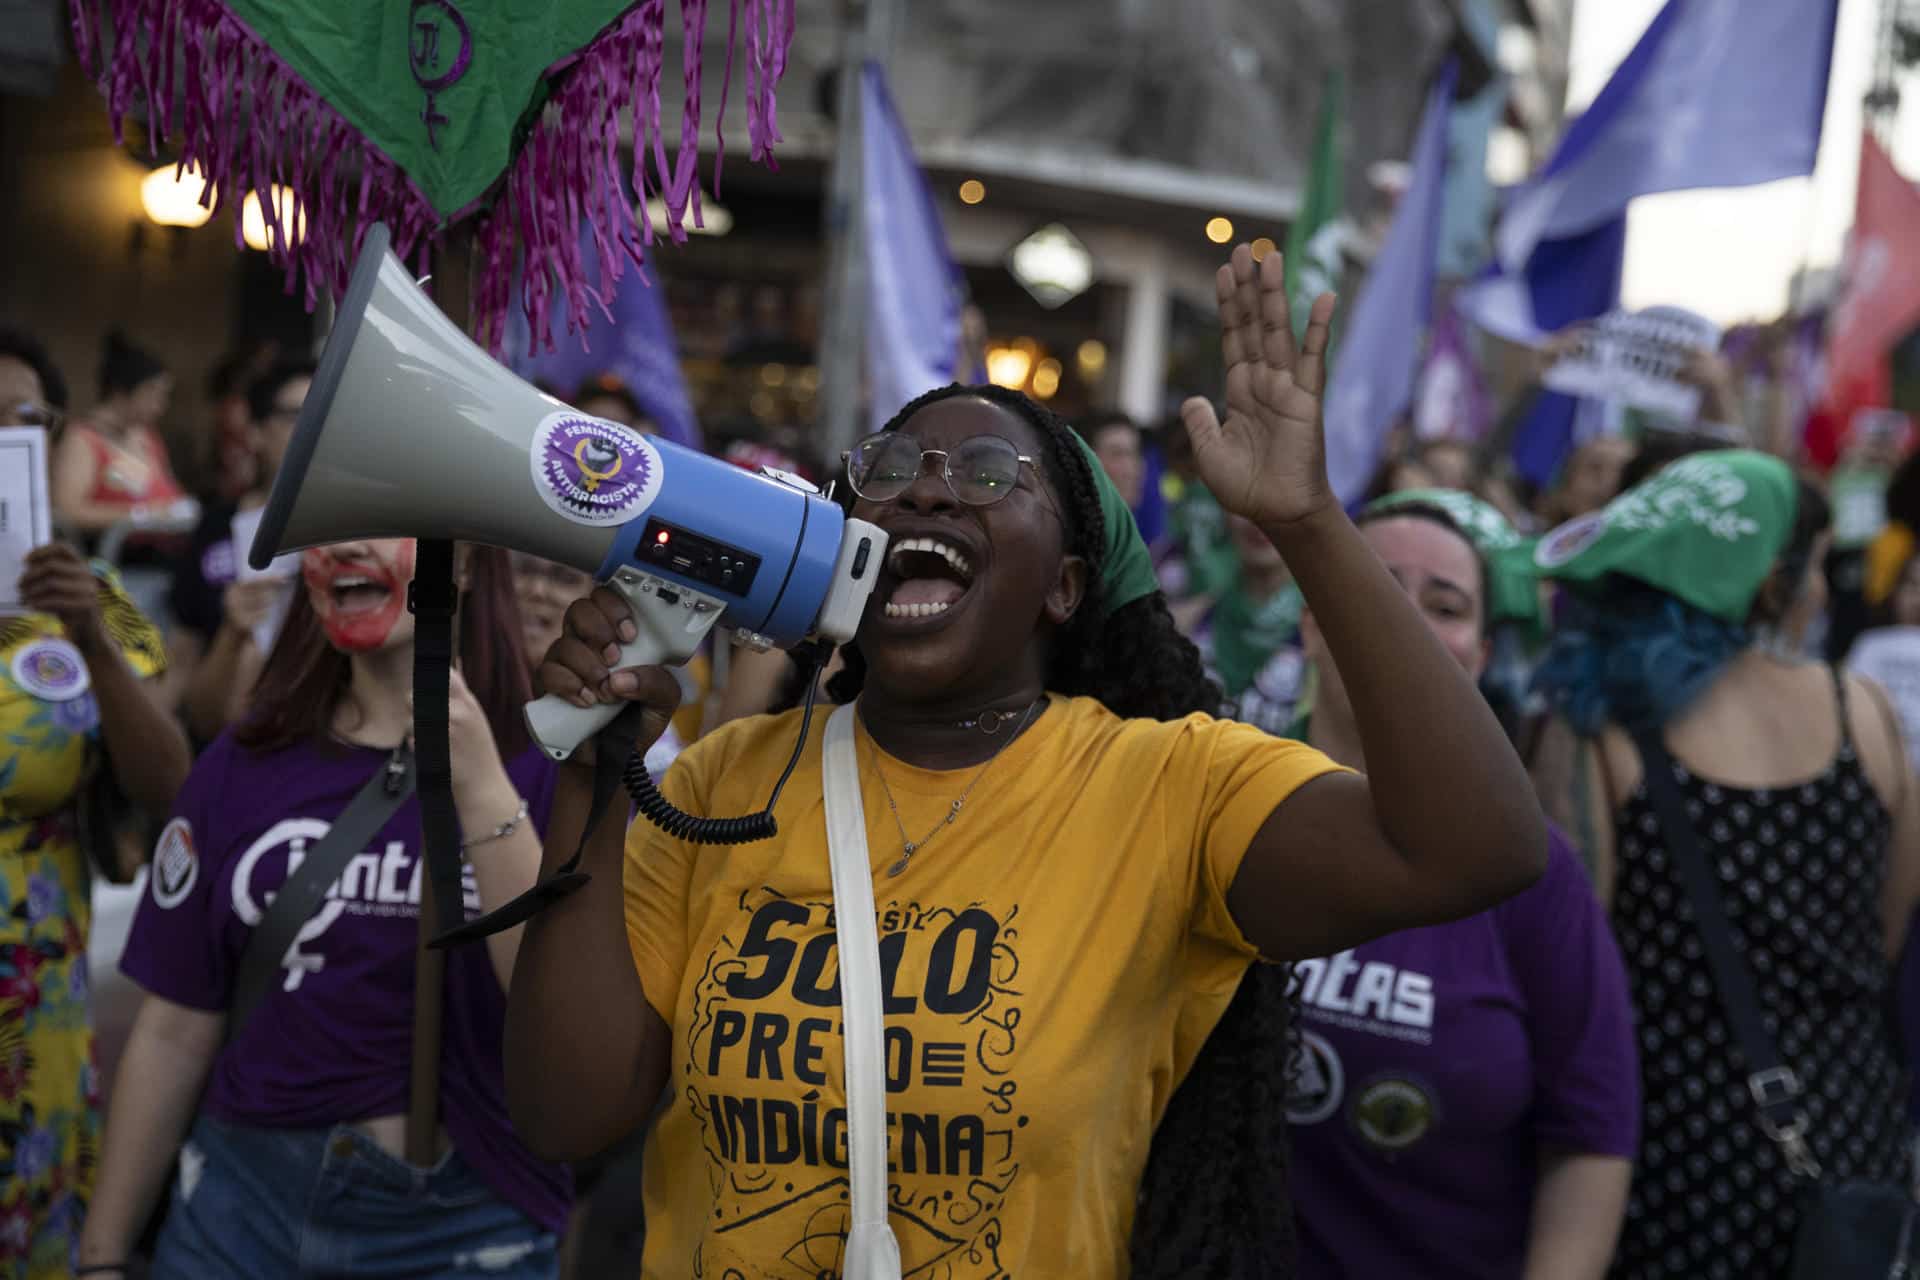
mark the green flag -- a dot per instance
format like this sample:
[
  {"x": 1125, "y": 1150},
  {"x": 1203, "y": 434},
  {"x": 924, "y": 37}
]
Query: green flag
[
  {"x": 1313, "y": 241},
  {"x": 420, "y": 113}
]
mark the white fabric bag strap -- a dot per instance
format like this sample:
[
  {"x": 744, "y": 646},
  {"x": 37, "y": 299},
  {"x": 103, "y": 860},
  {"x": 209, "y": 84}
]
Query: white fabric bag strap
[{"x": 872, "y": 1253}]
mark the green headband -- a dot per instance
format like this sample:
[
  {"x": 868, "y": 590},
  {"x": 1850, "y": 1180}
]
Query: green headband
[
  {"x": 1126, "y": 568},
  {"x": 1512, "y": 585}
]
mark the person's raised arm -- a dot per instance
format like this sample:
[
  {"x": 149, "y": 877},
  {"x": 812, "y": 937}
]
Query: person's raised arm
[
  {"x": 586, "y": 1055},
  {"x": 155, "y": 1091},
  {"x": 148, "y": 748},
  {"x": 222, "y": 683},
  {"x": 1445, "y": 822}
]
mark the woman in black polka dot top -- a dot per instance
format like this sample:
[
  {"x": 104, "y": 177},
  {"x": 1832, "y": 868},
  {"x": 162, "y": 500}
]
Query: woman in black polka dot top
[{"x": 1802, "y": 800}]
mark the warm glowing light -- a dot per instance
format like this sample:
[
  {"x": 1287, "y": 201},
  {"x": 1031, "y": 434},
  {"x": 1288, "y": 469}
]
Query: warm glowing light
[
  {"x": 1052, "y": 265},
  {"x": 661, "y": 537},
  {"x": 1219, "y": 230},
  {"x": 253, "y": 223},
  {"x": 1046, "y": 378},
  {"x": 715, "y": 218},
  {"x": 1009, "y": 366},
  {"x": 172, "y": 198},
  {"x": 1261, "y": 248},
  {"x": 973, "y": 191},
  {"x": 774, "y": 375},
  {"x": 1092, "y": 358}
]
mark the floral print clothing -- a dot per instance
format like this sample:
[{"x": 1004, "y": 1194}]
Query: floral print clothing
[{"x": 49, "y": 1095}]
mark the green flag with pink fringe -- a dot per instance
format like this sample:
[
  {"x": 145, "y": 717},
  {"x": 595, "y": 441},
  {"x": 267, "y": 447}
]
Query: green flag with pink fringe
[{"x": 506, "y": 114}]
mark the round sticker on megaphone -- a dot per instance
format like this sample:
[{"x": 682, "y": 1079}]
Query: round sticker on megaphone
[{"x": 592, "y": 471}]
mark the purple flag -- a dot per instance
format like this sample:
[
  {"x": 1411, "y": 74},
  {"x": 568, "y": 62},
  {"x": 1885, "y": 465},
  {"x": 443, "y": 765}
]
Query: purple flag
[
  {"x": 636, "y": 346},
  {"x": 1379, "y": 355},
  {"x": 1451, "y": 400},
  {"x": 914, "y": 291}
]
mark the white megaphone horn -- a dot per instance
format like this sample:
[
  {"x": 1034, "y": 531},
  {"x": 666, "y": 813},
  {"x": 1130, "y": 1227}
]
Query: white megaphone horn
[{"x": 410, "y": 430}]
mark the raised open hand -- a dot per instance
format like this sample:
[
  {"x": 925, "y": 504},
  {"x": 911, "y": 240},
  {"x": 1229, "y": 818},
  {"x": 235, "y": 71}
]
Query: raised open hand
[{"x": 1268, "y": 460}]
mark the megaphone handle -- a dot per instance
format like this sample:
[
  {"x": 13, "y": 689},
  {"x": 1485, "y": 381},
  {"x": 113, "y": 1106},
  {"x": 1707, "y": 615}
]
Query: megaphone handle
[{"x": 672, "y": 622}]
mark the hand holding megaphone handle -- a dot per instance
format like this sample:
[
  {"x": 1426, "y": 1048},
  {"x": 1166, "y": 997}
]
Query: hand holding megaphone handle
[{"x": 672, "y": 622}]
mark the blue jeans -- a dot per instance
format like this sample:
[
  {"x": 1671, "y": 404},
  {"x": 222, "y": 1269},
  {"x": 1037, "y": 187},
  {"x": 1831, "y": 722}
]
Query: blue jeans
[{"x": 315, "y": 1204}]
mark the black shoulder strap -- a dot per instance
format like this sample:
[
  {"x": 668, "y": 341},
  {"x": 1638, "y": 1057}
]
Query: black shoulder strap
[
  {"x": 306, "y": 887},
  {"x": 435, "y": 601},
  {"x": 1774, "y": 1086},
  {"x": 1840, "y": 704},
  {"x": 614, "y": 747}
]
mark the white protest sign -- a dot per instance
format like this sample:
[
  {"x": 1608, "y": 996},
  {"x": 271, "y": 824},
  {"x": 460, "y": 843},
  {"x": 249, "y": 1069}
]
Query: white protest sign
[
  {"x": 282, "y": 569},
  {"x": 246, "y": 525},
  {"x": 26, "y": 512},
  {"x": 1637, "y": 358}
]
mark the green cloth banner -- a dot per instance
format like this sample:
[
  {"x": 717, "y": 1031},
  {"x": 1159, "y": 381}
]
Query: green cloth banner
[{"x": 439, "y": 85}]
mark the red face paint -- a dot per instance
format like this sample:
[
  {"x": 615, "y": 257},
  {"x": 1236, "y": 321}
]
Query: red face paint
[{"x": 359, "y": 596}]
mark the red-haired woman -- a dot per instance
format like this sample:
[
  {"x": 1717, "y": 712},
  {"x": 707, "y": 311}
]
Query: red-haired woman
[{"x": 293, "y": 1166}]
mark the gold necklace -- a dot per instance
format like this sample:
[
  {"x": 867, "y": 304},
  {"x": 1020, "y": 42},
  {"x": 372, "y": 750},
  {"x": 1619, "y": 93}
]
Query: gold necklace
[{"x": 910, "y": 847}]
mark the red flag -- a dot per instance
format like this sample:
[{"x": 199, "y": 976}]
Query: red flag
[{"x": 1880, "y": 304}]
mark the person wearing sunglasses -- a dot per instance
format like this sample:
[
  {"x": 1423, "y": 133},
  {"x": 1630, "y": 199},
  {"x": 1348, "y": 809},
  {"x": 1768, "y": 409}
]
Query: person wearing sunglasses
[{"x": 1074, "y": 868}]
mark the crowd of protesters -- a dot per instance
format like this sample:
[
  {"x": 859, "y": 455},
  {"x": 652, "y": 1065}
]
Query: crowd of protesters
[{"x": 1380, "y": 960}]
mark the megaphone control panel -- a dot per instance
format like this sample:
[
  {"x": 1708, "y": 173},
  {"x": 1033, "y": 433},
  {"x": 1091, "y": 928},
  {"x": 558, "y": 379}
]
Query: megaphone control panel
[
  {"x": 704, "y": 560},
  {"x": 673, "y": 619}
]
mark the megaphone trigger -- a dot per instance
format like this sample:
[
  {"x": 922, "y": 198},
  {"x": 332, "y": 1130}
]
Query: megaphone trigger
[{"x": 672, "y": 620}]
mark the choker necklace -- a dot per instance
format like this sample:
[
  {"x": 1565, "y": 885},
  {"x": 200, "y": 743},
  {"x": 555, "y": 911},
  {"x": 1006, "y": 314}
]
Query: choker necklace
[
  {"x": 991, "y": 722},
  {"x": 910, "y": 847}
]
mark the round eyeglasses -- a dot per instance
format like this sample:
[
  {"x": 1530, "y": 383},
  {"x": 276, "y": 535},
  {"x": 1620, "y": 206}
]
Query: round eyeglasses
[{"x": 979, "y": 472}]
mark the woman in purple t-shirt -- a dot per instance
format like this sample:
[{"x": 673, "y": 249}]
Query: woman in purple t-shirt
[
  {"x": 294, "y": 1165},
  {"x": 1469, "y": 1092}
]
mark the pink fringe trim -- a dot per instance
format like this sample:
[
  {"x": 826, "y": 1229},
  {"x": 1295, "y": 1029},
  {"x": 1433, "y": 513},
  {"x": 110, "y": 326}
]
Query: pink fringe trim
[{"x": 247, "y": 121}]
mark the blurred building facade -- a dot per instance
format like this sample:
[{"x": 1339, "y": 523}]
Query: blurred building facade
[{"x": 1140, "y": 126}]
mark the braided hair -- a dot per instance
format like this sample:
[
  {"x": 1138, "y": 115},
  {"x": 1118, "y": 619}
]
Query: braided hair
[{"x": 1212, "y": 1200}]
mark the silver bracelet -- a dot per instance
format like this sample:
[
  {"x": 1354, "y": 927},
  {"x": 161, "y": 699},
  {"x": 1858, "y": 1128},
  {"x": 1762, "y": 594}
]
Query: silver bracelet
[{"x": 500, "y": 832}]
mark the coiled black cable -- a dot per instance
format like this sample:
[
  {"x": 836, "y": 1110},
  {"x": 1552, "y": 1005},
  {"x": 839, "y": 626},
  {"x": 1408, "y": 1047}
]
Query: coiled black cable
[
  {"x": 567, "y": 877},
  {"x": 681, "y": 825}
]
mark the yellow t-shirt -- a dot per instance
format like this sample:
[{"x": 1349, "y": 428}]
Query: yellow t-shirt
[{"x": 1049, "y": 961}]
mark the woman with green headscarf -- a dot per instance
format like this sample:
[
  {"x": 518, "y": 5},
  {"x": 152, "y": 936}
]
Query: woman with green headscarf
[
  {"x": 1801, "y": 803},
  {"x": 1075, "y": 868},
  {"x": 1487, "y": 1122},
  {"x": 1250, "y": 638}
]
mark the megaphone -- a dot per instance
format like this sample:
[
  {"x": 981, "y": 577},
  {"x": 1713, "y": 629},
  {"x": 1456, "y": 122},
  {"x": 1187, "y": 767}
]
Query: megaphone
[{"x": 410, "y": 430}]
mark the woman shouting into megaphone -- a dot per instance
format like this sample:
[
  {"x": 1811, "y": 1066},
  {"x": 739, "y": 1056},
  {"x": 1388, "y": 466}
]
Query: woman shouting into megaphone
[{"x": 1074, "y": 869}]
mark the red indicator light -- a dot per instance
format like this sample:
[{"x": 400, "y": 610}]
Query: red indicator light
[{"x": 661, "y": 537}]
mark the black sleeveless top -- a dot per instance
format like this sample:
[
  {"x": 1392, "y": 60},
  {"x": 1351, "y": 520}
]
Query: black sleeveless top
[{"x": 1800, "y": 869}]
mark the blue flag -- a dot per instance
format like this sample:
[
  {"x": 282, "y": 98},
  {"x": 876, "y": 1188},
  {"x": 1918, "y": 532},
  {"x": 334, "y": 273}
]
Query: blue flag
[
  {"x": 636, "y": 346},
  {"x": 914, "y": 291},
  {"x": 1717, "y": 93},
  {"x": 1372, "y": 383}
]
